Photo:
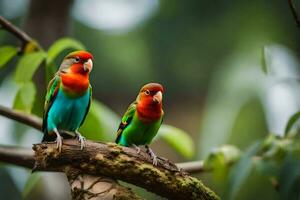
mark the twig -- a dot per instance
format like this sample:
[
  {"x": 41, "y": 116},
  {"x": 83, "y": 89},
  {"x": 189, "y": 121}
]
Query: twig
[
  {"x": 15, "y": 30},
  {"x": 17, "y": 156},
  {"x": 192, "y": 167},
  {"x": 21, "y": 35},
  {"x": 30, "y": 120},
  {"x": 294, "y": 12}
]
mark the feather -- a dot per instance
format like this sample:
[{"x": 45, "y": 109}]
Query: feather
[{"x": 126, "y": 119}]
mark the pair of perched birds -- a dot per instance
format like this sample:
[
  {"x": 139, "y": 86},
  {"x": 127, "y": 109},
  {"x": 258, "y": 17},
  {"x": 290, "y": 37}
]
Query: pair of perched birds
[{"x": 68, "y": 101}]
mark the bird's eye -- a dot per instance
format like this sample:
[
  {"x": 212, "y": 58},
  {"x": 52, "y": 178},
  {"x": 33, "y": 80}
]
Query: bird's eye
[
  {"x": 77, "y": 59},
  {"x": 147, "y": 92}
]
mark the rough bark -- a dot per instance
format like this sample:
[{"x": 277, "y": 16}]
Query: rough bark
[
  {"x": 85, "y": 186},
  {"x": 114, "y": 161}
]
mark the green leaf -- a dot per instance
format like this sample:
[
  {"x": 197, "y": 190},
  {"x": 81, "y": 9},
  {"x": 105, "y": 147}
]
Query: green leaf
[
  {"x": 241, "y": 171},
  {"x": 293, "y": 119},
  {"x": 178, "y": 139},
  {"x": 50, "y": 72},
  {"x": 226, "y": 155},
  {"x": 61, "y": 45},
  {"x": 220, "y": 159},
  {"x": 6, "y": 54},
  {"x": 33, "y": 180},
  {"x": 27, "y": 66},
  {"x": 25, "y": 97},
  {"x": 101, "y": 123}
]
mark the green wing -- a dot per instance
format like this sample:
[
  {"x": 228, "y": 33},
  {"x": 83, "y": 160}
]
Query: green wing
[
  {"x": 126, "y": 119},
  {"x": 88, "y": 106},
  {"x": 52, "y": 90}
]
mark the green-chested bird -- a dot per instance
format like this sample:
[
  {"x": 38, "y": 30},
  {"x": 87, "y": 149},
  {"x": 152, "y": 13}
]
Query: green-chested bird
[
  {"x": 68, "y": 97},
  {"x": 142, "y": 119}
]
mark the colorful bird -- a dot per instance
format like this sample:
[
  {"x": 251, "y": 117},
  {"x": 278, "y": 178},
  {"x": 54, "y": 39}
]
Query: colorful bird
[
  {"x": 142, "y": 119},
  {"x": 68, "y": 98}
]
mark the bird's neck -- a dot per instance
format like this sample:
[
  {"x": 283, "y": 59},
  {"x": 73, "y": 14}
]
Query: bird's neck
[
  {"x": 149, "y": 111},
  {"x": 75, "y": 84}
]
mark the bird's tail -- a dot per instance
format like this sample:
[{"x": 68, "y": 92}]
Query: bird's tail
[
  {"x": 118, "y": 136},
  {"x": 49, "y": 137}
]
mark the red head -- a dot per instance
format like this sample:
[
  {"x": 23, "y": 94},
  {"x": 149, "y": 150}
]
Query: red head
[
  {"x": 74, "y": 72},
  {"x": 77, "y": 62},
  {"x": 150, "y": 101}
]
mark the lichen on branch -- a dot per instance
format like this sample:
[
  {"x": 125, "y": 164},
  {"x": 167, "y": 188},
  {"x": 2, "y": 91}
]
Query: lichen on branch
[{"x": 122, "y": 163}]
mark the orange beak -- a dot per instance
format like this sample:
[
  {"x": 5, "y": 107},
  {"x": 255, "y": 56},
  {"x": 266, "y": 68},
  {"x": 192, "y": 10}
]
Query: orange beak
[
  {"x": 157, "y": 98},
  {"x": 88, "y": 65}
]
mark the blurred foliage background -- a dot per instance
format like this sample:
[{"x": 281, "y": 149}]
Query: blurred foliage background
[{"x": 230, "y": 70}]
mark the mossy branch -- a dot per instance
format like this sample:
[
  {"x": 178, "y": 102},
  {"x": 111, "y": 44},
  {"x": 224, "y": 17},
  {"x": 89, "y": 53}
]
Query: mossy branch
[{"x": 122, "y": 163}]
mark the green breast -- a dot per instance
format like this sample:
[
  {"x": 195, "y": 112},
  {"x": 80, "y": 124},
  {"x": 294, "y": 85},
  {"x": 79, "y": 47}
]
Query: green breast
[{"x": 139, "y": 132}]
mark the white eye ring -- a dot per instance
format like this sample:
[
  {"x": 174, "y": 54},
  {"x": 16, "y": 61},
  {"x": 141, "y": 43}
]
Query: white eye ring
[
  {"x": 147, "y": 92},
  {"x": 77, "y": 59}
]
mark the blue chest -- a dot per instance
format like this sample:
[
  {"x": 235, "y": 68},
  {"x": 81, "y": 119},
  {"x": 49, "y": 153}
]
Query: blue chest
[{"x": 67, "y": 113}]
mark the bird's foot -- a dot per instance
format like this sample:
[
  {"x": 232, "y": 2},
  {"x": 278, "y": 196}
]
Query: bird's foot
[
  {"x": 138, "y": 149},
  {"x": 81, "y": 139},
  {"x": 152, "y": 155},
  {"x": 58, "y": 140}
]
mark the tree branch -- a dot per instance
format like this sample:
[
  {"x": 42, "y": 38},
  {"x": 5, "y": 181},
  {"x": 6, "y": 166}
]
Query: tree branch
[
  {"x": 82, "y": 186},
  {"x": 294, "y": 12},
  {"x": 21, "y": 35},
  {"x": 193, "y": 167},
  {"x": 28, "y": 119},
  {"x": 100, "y": 159},
  {"x": 23, "y": 157},
  {"x": 123, "y": 163},
  {"x": 18, "y": 33}
]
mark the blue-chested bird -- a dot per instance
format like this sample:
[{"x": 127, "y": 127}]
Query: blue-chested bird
[
  {"x": 142, "y": 119},
  {"x": 68, "y": 98}
]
